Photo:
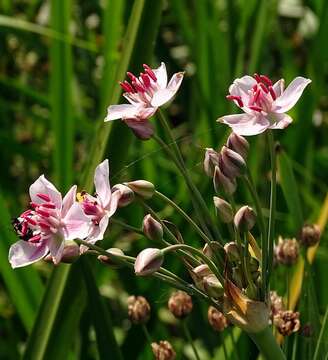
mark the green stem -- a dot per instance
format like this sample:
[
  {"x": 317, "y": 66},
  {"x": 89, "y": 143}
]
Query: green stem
[
  {"x": 127, "y": 226},
  {"x": 226, "y": 357},
  {"x": 147, "y": 335},
  {"x": 189, "y": 338},
  {"x": 267, "y": 344},
  {"x": 272, "y": 215}
]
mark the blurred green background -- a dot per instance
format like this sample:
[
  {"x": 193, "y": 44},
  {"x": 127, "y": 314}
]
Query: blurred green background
[{"x": 60, "y": 64}]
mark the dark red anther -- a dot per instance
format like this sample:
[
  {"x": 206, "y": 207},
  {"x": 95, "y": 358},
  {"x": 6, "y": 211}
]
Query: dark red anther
[
  {"x": 266, "y": 80},
  {"x": 257, "y": 77},
  {"x": 264, "y": 88},
  {"x": 145, "y": 79},
  {"x": 150, "y": 72},
  {"x": 34, "y": 205},
  {"x": 35, "y": 239},
  {"x": 254, "y": 88},
  {"x": 30, "y": 220},
  {"x": 26, "y": 213},
  {"x": 236, "y": 98},
  {"x": 42, "y": 212},
  {"x": 272, "y": 93},
  {"x": 43, "y": 225},
  {"x": 255, "y": 108},
  {"x": 44, "y": 197},
  {"x": 131, "y": 76},
  {"x": 138, "y": 87},
  {"x": 24, "y": 228},
  {"x": 257, "y": 94},
  {"x": 126, "y": 86},
  {"x": 49, "y": 205}
]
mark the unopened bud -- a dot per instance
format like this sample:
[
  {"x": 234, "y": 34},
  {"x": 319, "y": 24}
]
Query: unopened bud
[
  {"x": 221, "y": 181},
  {"x": 127, "y": 195},
  {"x": 108, "y": 261},
  {"x": 152, "y": 228},
  {"x": 138, "y": 309},
  {"x": 198, "y": 273},
  {"x": 286, "y": 251},
  {"x": 212, "y": 286},
  {"x": 276, "y": 304},
  {"x": 238, "y": 144},
  {"x": 70, "y": 253},
  {"x": 223, "y": 209},
  {"x": 237, "y": 277},
  {"x": 163, "y": 350},
  {"x": 148, "y": 261},
  {"x": 232, "y": 251},
  {"x": 180, "y": 304},
  {"x": 310, "y": 235},
  {"x": 231, "y": 163},
  {"x": 211, "y": 160},
  {"x": 245, "y": 219},
  {"x": 287, "y": 322},
  {"x": 216, "y": 319},
  {"x": 211, "y": 249},
  {"x": 143, "y": 188}
]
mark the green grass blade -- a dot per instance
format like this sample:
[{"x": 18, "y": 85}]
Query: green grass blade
[
  {"x": 24, "y": 285},
  {"x": 320, "y": 352},
  {"x": 107, "y": 345},
  {"x": 290, "y": 190}
]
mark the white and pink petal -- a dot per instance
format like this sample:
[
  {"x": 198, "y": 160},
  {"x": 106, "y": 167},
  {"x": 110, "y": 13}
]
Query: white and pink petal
[
  {"x": 43, "y": 186},
  {"x": 23, "y": 253}
]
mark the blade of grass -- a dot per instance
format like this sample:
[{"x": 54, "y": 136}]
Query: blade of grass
[
  {"x": 24, "y": 285},
  {"x": 320, "y": 349},
  {"x": 107, "y": 345}
]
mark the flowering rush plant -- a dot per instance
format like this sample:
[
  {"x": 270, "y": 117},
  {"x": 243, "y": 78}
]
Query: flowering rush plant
[{"x": 232, "y": 268}]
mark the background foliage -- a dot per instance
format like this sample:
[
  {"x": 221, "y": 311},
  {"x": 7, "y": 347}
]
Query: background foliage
[{"x": 59, "y": 67}]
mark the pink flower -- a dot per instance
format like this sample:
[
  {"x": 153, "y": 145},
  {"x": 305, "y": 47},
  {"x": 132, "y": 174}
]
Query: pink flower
[
  {"x": 102, "y": 206},
  {"x": 263, "y": 102},
  {"x": 145, "y": 94},
  {"x": 45, "y": 228}
]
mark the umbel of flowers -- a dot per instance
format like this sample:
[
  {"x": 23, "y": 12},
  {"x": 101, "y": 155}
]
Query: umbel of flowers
[{"x": 232, "y": 273}]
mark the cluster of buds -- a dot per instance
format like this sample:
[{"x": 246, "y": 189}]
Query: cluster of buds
[
  {"x": 286, "y": 251},
  {"x": 138, "y": 309},
  {"x": 206, "y": 281},
  {"x": 225, "y": 166},
  {"x": 287, "y": 322},
  {"x": 276, "y": 304},
  {"x": 310, "y": 235},
  {"x": 216, "y": 319},
  {"x": 180, "y": 304},
  {"x": 163, "y": 350}
]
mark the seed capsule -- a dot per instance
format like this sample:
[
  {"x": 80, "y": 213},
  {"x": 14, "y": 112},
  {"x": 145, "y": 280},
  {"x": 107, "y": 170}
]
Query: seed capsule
[
  {"x": 286, "y": 251},
  {"x": 180, "y": 304},
  {"x": 216, "y": 319},
  {"x": 310, "y": 235},
  {"x": 138, "y": 309},
  {"x": 163, "y": 350}
]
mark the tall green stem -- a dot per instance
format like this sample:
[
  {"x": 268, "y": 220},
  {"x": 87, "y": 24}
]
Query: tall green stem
[
  {"x": 267, "y": 344},
  {"x": 272, "y": 215},
  {"x": 189, "y": 338}
]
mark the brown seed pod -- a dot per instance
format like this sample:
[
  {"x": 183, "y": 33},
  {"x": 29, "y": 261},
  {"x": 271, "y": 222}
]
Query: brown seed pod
[{"x": 180, "y": 304}]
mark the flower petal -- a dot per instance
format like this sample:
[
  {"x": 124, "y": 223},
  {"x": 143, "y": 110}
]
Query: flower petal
[
  {"x": 291, "y": 95},
  {"x": 279, "y": 87},
  {"x": 77, "y": 224},
  {"x": 97, "y": 232},
  {"x": 142, "y": 129},
  {"x": 101, "y": 180},
  {"x": 56, "y": 246},
  {"x": 281, "y": 121},
  {"x": 161, "y": 75},
  {"x": 122, "y": 111},
  {"x": 162, "y": 96},
  {"x": 246, "y": 124},
  {"x": 69, "y": 200},
  {"x": 112, "y": 206},
  {"x": 43, "y": 186},
  {"x": 243, "y": 84},
  {"x": 23, "y": 253}
]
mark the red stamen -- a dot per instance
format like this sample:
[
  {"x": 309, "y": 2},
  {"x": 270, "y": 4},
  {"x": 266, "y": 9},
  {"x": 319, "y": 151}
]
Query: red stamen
[
  {"x": 272, "y": 93},
  {"x": 257, "y": 94},
  {"x": 255, "y": 108},
  {"x": 34, "y": 205},
  {"x": 150, "y": 72},
  {"x": 131, "y": 76},
  {"x": 138, "y": 87},
  {"x": 26, "y": 213},
  {"x": 49, "y": 205},
  {"x": 24, "y": 228},
  {"x": 257, "y": 77},
  {"x": 264, "y": 88},
  {"x": 126, "y": 86},
  {"x": 43, "y": 225},
  {"x": 44, "y": 197},
  {"x": 30, "y": 221},
  {"x": 146, "y": 80},
  {"x": 236, "y": 98},
  {"x": 35, "y": 239},
  {"x": 266, "y": 80},
  {"x": 42, "y": 213}
]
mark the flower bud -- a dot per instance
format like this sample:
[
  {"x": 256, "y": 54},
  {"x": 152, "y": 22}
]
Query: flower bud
[
  {"x": 152, "y": 228},
  {"x": 276, "y": 304},
  {"x": 108, "y": 261},
  {"x": 238, "y": 144},
  {"x": 286, "y": 251},
  {"x": 138, "y": 309},
  {"x": 143, "y": 188},
  {"x": 245, "y": 219},
  {"x": 232, "y": 251},
  {"x": 163, "y": 350},
  {"x": 237, "y": 276},
  {"x": 223, "y": 209},
  {"x": 216, "y": 319},
  {"x": 198, "y": 273},
  {"x": 231, "y": 163},
  {"x": 221, "y": 181},
  {"x": 148, "y": 261},
  {"x": 127, "y": 195},
  {"x": 211, "y": 249},
  {"x": 211, "y": 160},
  {"x": 310, "y": 235},
  {"x": 287, "y": 322},
  {"x": 212, "y": 286},
  {"x": 70, "y": 254},
  {"x": 180, "y": 304}
]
